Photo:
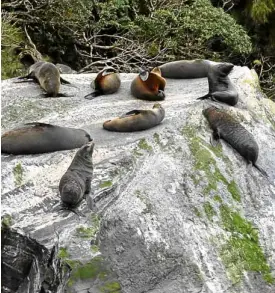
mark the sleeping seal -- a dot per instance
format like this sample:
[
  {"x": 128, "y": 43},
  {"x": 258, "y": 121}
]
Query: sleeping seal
[
  {"x": 106, "y": 82},
  {"x": 136, "y": 120},
  {"x": 37, "y": 138},
  {"x": 185, "y": 69},
  {"x": 149, "y": 85}
]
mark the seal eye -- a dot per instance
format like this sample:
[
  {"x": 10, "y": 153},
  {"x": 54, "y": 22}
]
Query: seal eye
[{"x": 144, "y": 75}]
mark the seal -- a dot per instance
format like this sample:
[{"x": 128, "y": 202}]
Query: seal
[
  {"x": 149, "y": 85},
  {"x": 229, "y": 129},
  {"x": 136, "y": 120},
  {"x": 37, "y": 138},
  {"x": 185, "y": 69},
  {"x": 48, "y": 77},
  {"x": 76, "y": 182},
  {"x": 220, "y": 86},
  {"x": 106, "y": 82}
]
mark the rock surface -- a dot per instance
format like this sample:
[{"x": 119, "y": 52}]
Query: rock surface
[{"x": 167, "y": 211}]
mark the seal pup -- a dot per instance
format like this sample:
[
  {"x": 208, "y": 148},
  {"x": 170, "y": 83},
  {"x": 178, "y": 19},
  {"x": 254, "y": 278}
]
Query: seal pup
[
  {"x": 106, "y": 82},
  {"x": 185, "y": 69},
  {"x": 229, "y": 129},
  {"x": 220, "y": 86},
  {"x": 136, "y": 120},
  {"x": 76, "y": 182},
  {"x": 149, "y": 85},
  {"x": 48, "y": 77},
  {"x": 37, "y": 138}
]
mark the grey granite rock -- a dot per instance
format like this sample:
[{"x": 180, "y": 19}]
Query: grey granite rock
[{"x": 168, "y": 213}]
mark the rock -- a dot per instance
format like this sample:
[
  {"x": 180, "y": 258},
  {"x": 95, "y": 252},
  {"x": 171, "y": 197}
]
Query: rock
[
  {"x": 28, "y": 266},
  {"x": 167, "y": 211}
]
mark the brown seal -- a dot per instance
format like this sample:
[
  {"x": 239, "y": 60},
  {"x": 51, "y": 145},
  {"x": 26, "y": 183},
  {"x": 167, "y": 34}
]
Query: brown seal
[
  {"x": 228, "y": 128},
  {"x": 220, "y": 86},
  {"x": 149, "y": 85},
  {"x": 37, "y": 138},
  {"x": 136, "y": 120},
  {"x": 76, "y": 182},
  {"x": 48, "y": 77},
  {"x": 106, "y": 82},
  {"x": 185, "y": 69}
]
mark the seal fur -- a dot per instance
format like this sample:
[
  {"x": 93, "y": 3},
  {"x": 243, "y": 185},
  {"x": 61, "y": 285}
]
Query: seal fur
[
  {"x": 48, "y": 77},
  {"x": 149, "y": 85},
  {"x": 220, "y": 86},
  {"x": 229, "y": 129},
  {"x": 185, "y": 69},
  {"x": 76, "y": 182},
  {"x": 136, "y": 120},
  {"x": 36, "y": 138},
  {"x": 106, "y": 82}
]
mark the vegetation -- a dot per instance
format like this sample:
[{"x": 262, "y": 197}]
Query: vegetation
[{"x": 129, "y": 34}]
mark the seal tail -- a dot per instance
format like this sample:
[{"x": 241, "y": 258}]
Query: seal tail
[
  {"x": 204, "y": 97},
  {"x": 261, "y": 170},
  {"x": 92, "y": 95}
]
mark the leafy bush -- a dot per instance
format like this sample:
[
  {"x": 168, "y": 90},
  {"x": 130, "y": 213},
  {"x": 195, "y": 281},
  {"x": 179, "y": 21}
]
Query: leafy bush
[{"x": 12, "y": 38}]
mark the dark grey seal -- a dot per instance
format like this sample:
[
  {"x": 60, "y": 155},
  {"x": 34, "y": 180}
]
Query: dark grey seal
[
  {"x": 220, "y": 86},
  {"x": 76, "y": 182},
  {"x": 37, "y": 138},
  {"x": 185, "y": 69},
  {"x": 228, "y": 128}
]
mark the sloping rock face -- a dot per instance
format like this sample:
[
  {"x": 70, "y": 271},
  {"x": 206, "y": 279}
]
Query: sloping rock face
[
  {"x": 28, "y": 266},
  {"x": 167, "y": 212}
]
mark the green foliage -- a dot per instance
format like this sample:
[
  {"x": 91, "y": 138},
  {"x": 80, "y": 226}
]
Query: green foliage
[
  {"x": 12, "y": 37},
  {"x": 260, "y": 10},
  {"x": 192, "y": 26}
]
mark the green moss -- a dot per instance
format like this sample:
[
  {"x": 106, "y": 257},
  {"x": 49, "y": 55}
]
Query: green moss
[
  {"x": 195, "y": 179},
  {"x": 204, "y": 160},
  {"x": 242, "y": 251},
  {"x": 94, "y": 248},
  {"x": 18, "y": 174},
  {"x": 209, "y": 211},
  {"x": 156, "y": 138},
  {"x": 106, "y": 184},
  {"x": 217, "y": 198},
  {"x": 6, "y": 221},
  {"x": 197, "y": 212},
  {"x": 234, "y": 190},
  {"x": 89, "y": 232},
  {"x": 63, "y": 253},
  {"x": 111, "y": 287},
  {"x": 144, "y": 145},
  {"x": 144, "y": 198}
]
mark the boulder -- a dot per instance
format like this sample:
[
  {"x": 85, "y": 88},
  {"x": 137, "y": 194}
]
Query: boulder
[{"x": 168, "y": 212}]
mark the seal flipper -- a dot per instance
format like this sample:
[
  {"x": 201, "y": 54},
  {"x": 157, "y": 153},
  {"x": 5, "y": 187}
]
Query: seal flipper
[
  {"x": 93, "y": 95},
  {"x": 133, "y": 112},
  {"x": 58, "y": 95},
  {"x": 204, "y": 97},
  {"x": 27, "y": 78},
  {"x": 214, "y": 139},
  {"x": 260, "y": 169},
  {"x": 64, "y": 81}
]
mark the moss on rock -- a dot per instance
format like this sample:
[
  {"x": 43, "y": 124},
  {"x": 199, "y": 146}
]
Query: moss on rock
[
  {"x": 242, "y": 251},
  {"x": 18, "y": 174}
]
